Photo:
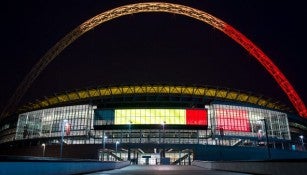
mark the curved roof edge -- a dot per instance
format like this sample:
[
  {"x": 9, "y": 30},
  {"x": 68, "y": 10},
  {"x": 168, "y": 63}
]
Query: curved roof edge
[{"x": 208, "y": 92}]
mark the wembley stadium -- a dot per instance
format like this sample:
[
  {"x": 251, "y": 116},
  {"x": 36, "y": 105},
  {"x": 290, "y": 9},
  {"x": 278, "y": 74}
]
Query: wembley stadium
[
  {"x": 155, "y": 124},
  {"x": 149, "y": 124}
]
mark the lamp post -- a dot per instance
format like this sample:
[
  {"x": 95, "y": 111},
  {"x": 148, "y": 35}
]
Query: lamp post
[
  {"x": 163, "y": 131},
  {"x": 302, "y": 140},
  {"x": 64, "y": 122},
  {"x": 104, "y": 137},
  {"x": 267, "y": 138},
  {"x": 44, "y": 146},
  {"x": 104, "y": 142},
  {"x": 116, "y": 143},
  {"x": 130, "y": 123}
]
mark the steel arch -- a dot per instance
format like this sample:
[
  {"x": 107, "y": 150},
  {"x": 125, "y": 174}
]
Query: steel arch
[{"x": 157, "y": 7}]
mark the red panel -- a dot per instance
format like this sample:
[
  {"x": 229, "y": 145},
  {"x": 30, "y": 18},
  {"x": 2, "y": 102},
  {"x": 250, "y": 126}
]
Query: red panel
[
  {"x": 196, "y": 117},
  {"x": 232, "y": 120}
]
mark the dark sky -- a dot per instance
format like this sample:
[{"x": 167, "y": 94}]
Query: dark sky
[{"x": 152, "y": 47}]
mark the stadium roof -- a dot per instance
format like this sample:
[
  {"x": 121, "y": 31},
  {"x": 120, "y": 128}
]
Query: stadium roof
[{"x": 206, "y": 92}]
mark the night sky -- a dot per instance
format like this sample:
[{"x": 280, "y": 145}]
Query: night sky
[{"x": 152, "y": 48}]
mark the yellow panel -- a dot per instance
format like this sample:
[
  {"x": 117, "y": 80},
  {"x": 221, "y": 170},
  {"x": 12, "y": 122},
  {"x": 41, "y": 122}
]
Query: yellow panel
[
  {"x": 221, "y": 93},
  {"x": 36, "y": 106},
  {"x": 270, "y": 105},
  {"x": 210, "y": 92},
  {"x": 156, "y": 89},
  {"x": 132, "y": 112},
  {"x": 53, "y": 100},
  {"x": 253, "y": 99},
  {"x": 117, "y": 119},
  {"x": 139, "y": 89},
  {"x": 72, "y": 96},
  {"x": 166, "y": 120},
  {"x": 44, "y": 103},
  {"x": 129, "y": 90},
  {"x": 242, "y": 97},
  {"x": 83, "y": 94},
  {"x": 104, "y": 92},
  {"x": 147, "y": 113},
  {"x": 262, "y": 102},
  {"x": 232, "y": 95},
  {"x": 136, "y": 121},
  {"x": 125, "y": 89},
  {"x": 93, "y": 93},
  {"x": 151, "y": 116},
  {"x": 164, "y": 90},
  {"x": 159, "y": 112},
  {"x": 147, "y": 119},
  {"x": 175, "y": 90},
  {"x": 150, "y": 89},
  {"x": 187, "y": 90},
  {"x": 146, "y": 89},
  {"x": 62, "y": 98},
  {"x": 115, "y": 91},
  {"x": 200, "y": 91}
]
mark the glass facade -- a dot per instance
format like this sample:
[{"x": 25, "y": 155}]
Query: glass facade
[
  {"x": 228, "y": 123},
  {"x": 248, "y": 121},
  {"x": 47, "y": 122}
]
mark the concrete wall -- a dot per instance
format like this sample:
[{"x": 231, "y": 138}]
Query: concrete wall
[
  {"x": 201, "y": 152},
  {"x": 89, "y": 151},
  {"x": 293, "y": 167},
  {"x": 56, "y": 166},
  {"x": 213, "y": 153}
]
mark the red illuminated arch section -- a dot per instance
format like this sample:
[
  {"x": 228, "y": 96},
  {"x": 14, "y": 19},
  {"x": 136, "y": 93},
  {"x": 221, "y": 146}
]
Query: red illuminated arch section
[
  {"x": 156, "y": 7},
  {"x": 269, "y": 66}
]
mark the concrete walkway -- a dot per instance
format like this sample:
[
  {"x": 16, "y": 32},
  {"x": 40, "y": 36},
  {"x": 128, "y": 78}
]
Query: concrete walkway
[{"x": 164, "y": 169}]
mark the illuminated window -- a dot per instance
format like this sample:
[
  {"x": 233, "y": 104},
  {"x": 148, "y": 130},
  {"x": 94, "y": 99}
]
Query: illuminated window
[
  {"x": 232, "y": 119},
  {"x": 196, "y": 117},
  {"x": 159, "y": 116}
]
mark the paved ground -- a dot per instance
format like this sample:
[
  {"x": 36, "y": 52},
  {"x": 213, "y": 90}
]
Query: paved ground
[{"x": 164, "y": 169}]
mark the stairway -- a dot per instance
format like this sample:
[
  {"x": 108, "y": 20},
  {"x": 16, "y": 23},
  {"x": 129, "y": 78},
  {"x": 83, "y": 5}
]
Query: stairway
[
  {"x": 180, "y": 159},
  {"x": 115, "y": 156}
]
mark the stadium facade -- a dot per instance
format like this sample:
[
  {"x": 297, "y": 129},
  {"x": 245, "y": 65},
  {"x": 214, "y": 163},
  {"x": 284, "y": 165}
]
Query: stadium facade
[{"x": 152, "y": 124}]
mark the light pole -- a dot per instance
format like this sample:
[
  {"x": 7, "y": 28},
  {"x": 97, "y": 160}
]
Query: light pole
[
  {"x": 163, "y": 130},
  {"x": 130, "y": 123},
  {"x": 302, "y": 140},
  {"x": 116, "y": 143},
  {"x": 267, "y": 138},
  {"x": 104, "y": 142},
  {"x": 44, "y": 146},
  {"x": 64, "y": 122},
  {"x": 104, "y": 137}
]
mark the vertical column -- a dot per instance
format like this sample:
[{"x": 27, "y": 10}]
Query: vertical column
[
  {"x": 140, "y": 136},
  {"x": 41, "y": 122},
  {"x": 160, "y": 136},
  {"x": 129, "y": 152},
  {"x": 121, "y": 136},
  {"x": 198, "y": 136},
  {"x": 179, "y": 135}
]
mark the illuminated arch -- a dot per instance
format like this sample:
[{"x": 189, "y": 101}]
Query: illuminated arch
[{"x": 157, "y": 7}]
